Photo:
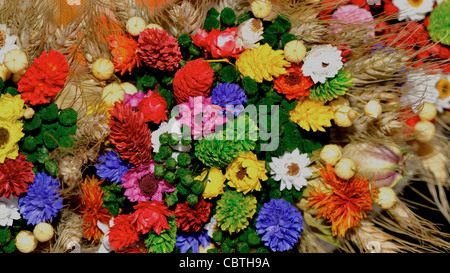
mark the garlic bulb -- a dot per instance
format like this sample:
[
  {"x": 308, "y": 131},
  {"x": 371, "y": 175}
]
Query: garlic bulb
[
  {"x": 428, "y": 111},
  {"x": 16, "y": 61},
  {"x": 154, "y": 26},
  {"x": 386, "y": 198},
  {"x": 135, "y": 25},
  {"x": 345, "y": 168},
  {"x": 112, "y": 92},
  {"x": 43, "y": 232},
  {"x": 5, "y": 74},
  {"x": 103, "y": 69},
  {"x": 331, "y": 154},
  {"x": 25, "y": 241},
  {"x": 373, "y": 109},
  {"x": 424, "y": 131},
  {"x": 344, "y": 116},
  {"x": 383, "y": 163},
  {"x": 17, "y": 76},
  {"x": 295, "y": 51},
  {"x": 261, "y": 8},
  {"x": 129, "y": 88}
]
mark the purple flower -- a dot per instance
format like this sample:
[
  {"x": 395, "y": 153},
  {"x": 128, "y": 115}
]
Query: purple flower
[
  {"x": 111, "y": 167},
  {"x": 280, "y": 225},
  {"x": 229, "y": 96},
  {"x": 192, "y": 240},
  {"x": 42, "y": 201}
]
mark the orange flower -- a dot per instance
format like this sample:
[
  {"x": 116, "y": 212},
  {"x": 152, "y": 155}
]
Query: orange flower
[
  {"x": 345, "y": 205},
  {"x": 293, "y": 84},
  {"x": 92, "y": 209},
  {"x": 124, "y": 52}
]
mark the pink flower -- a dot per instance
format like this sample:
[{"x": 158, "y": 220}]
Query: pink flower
[
  {"x": 134, "y": 100},
  {"x": 200, "y": 38},
  {"x": 141, "y": 185},
  {"x": 352, "y": 14},
  {"x": 200, "y": 115}
]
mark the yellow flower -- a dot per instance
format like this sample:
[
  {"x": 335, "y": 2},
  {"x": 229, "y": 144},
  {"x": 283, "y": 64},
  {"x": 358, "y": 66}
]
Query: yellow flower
[
  {"x": 245, "y": 173},
  {"x": 10, "y": 134},
  {"x": 214, "y": 182},
  {"x": 11, "y": 107},
  {"x": 262, "y": 63},
  {"x": 312, "y": 114}
]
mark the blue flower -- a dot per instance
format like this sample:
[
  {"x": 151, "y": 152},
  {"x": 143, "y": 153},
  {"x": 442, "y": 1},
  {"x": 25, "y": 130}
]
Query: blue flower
[
  {"x": 230, "y": 96},
  {"x": 280, "y": 225},
  {"x": 111, "y": 167},
  {"x": 42, "y": 201},
  {"x": 192, "y": 240}
]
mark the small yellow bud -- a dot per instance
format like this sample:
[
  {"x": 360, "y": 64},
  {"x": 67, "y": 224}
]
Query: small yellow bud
[
  {"x": 428, "y": 111},
  {"x": 424, "y": 131},
  {"x": 43, "y": 232},
  {"x": 386, "y": 198},
  {"x": 25, "y": 241},
  {"x": 17, "y": 76},
  {"x": 345, "y": 168},
  {"x": 344, "y": 116},
  {"x": 129, "y": 88},
  {"x": 103, "y": 69},
  {"x": 261, "y": 8},
  {"x": 5, "y": 74},
  {"x": 154, "y": 26},
  {"x": 111, "y": 93},
  {"x": 294, "y": 51},
  {"x": 331, "y": 154},
  {"x": 16, "y": 60},
  {"x": 135, "y": 25},
  {"x": 373, "y": 109}
]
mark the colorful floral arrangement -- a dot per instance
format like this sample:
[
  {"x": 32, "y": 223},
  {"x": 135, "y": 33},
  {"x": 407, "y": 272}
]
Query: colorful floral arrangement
[{"x": 225, "y": 126}]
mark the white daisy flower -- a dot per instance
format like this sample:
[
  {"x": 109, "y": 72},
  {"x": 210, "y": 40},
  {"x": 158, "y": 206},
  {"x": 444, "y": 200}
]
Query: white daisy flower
[
  {"x": 414, "y": 10},
  {"x": 249, "y": 33},
  {"x": 291, "y": 169},
  {"x": 171, "y": 127},
  {"x": 9, "y": 210},
  {"x": 421, "y": 87},
  {"x": 322, "y": 62},
  {"x": 210, "y": 227},
  {"x": 7, "y": 42}
]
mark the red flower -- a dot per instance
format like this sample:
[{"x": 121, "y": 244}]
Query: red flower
[
  {"x": 124, "y": 52},
  {"x": 345, "y": 204},
  {"x": 91, "y": 208},
  {"x": 130, "y": 134},
  {"x": 150, "y": 215},
  {"x": 293, "y": 84},
  {"x": 44, "y": 78},
  {"x": 154, "y": 107},
  {"x": 193, "y": 79},
  {"x": 15, "y": 176},
  {"x": 192, "y": 218},
  {"x": 222, "y": 44},
  {"x": 122, "y": 233},
  {"x": 159, "y": 49},
  {"x": 200, "y": 38}
]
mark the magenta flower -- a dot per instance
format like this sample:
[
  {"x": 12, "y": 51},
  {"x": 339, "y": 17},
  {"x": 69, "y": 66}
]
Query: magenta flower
[
  {"x": 134, "y": 100},
  {"x": 141, "y": 185}
]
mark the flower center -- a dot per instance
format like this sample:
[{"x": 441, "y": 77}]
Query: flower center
[
  {"x": 293, "y": 79},
  {"x": 256, "y": 25},
  {"x": 443, "y": 86},
  {"x": 148, "y": 184},
  {"x": 293, "y": 169},
  {"x": 325, "y": 64},
  {"x": 4, "y": 137},
  {"x": 415, "y": 3},
  {"x": 2, "y": 37},
  {"x": 241, "y": 173}
]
